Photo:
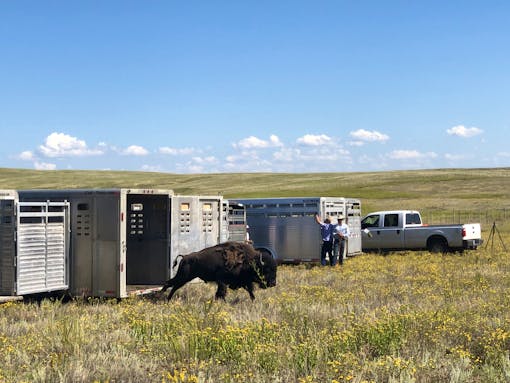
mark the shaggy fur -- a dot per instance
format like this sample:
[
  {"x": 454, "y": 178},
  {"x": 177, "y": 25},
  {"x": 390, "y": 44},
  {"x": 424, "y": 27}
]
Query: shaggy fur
[{"x": 230, "y": 264}]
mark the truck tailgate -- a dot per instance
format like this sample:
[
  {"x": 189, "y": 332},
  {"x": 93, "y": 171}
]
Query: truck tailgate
[{"x": 471, "y": 231}]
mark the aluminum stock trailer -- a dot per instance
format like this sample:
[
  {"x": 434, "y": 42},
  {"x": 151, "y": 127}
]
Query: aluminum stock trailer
[
  {"x": 34, "y": 246},
  {"x": 101, "y": 242},
  {"x": 286, "y": 227}
]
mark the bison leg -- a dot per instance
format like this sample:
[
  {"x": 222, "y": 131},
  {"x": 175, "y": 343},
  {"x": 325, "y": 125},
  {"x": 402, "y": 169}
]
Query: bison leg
[
  {"x": 166, "y": 286},
  {"x": 176, "y": 283},
  {"x": 176, "y": 287},
  {"x": 249, "y": 288},
  {"x": 221, "y": 292}
]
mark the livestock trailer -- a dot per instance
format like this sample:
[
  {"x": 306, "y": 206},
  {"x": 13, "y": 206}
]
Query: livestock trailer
[
  {"x": 286, "y": 227},
  {"x": 125, "y": 241},
  {"x": 197, "y": 222},
  {"x": 120, "y": 238},
  {"x": 34, "y": 246},
  {"x": 235, "y": 227}
]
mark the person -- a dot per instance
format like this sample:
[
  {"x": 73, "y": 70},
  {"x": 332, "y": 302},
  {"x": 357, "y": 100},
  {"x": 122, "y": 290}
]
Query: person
[
  {"x": 341, "y": 234},
  {"x": 327, "y": 240}
]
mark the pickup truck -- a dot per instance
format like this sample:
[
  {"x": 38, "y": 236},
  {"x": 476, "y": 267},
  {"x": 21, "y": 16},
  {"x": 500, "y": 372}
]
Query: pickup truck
[{"x": 404, "y": 230}]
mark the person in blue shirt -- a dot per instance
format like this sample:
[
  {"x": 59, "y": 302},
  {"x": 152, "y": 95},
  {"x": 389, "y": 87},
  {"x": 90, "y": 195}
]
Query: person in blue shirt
[{"x": 327, "y": 229}]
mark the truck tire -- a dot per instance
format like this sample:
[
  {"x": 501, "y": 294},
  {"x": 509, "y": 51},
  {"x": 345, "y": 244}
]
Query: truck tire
[{"x": 437, "y": 245}]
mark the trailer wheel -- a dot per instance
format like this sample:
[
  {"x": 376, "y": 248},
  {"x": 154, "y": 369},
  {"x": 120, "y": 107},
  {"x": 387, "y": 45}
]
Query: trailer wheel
[
  {"x": 264, "y": 250},
  {"x": 437, "y": 245}
]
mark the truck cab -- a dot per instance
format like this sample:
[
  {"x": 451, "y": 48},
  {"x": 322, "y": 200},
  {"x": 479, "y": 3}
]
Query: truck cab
[
  {"x": 386, "y": 227},
  {"x": 403, "y": 229}
]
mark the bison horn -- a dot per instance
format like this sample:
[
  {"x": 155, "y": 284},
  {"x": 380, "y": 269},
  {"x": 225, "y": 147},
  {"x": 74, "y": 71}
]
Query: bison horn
[{"x": 261, "y": 261}]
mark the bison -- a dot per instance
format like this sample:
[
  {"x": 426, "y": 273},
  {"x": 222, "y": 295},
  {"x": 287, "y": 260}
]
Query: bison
[{"x": 230, "y": 264}]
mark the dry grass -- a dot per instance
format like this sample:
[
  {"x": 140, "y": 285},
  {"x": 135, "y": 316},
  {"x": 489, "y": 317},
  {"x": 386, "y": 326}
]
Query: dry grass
[
  {"x": 405, "y": 317},
  {"x": 424, "y": 190}
]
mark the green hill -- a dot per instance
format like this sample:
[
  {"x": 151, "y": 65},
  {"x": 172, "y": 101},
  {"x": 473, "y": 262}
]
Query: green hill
[{"x": 427, "y": 190}]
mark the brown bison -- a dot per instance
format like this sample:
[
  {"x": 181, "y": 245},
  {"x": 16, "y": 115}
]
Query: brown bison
[{"x": 230, "y": 264}]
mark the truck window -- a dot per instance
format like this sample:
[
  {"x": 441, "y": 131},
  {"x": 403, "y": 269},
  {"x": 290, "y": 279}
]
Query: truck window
[
  {"x": 391, "y": 220},
  {"x": 413, "y": 219},
  {"x": 370, "y": 221}
]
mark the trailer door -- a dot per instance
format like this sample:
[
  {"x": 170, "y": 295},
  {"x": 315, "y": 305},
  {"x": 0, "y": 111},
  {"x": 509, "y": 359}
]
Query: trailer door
[
  {"x": 42, "y": 247},
  {"x": 147, "y": 239}
]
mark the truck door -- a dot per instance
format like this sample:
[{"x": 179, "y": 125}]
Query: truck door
[
  {"x": 390, "y": 234},
  {"x": 370, "y": 232},
  {"x": 382, "y": 231}
]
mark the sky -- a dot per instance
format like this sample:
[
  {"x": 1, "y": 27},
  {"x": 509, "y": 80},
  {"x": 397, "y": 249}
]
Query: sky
[{"x": 254, "y": 86}]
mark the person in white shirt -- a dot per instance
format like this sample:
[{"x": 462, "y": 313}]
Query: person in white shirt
[{"x": 341, "y": 234}]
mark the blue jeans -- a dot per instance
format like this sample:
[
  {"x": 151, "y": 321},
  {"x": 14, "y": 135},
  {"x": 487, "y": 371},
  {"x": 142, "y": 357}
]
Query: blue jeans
[
  {"x": 327, "y": 248},
  {"x": 338, "y": 250}
]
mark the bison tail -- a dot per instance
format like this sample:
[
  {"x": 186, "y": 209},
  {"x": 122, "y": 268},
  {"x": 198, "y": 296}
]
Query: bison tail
[{"x": 176, "y": 259}]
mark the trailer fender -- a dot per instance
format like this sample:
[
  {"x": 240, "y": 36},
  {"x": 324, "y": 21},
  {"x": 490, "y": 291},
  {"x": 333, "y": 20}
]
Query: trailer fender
[{"x": 267, "y": 250}]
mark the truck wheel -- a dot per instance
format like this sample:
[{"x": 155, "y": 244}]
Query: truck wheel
[{"x": 437, "y": 245}]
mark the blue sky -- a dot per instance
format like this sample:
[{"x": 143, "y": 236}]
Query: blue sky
[{"x": 251, "y": 86}]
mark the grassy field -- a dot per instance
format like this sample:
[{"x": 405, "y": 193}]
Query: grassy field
[
  {"x": 403, "y": 317},
  {"x": 424, "y": 190}
]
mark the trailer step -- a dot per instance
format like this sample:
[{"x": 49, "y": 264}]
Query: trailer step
[
  {"x": 143, "y": 289},
  {"x": 4, "y": 299}
]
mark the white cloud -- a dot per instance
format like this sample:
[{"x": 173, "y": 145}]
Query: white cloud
[
  {"x": 44, "y": 166},
  {"x": 194, "y": 169},
  {"x": 454, "y": 157},
  {"x": 315, "y": 158},
  {"x": 287, "y": 155},
  {"x": 410, "y": 154},
  {"x": 135, "y": 150},
  {"x": 462, "y": 131},
  {"x": 253, "y": 142},
  {"x": 64, "y": 145},
  {"x": 205, "y": 160},
  {"x": 242, "y": 157},
  {"x": 314, "y": 140},
  {"x": 27, "y": 155},
  {"x": 370, "y": 136},
  {"x": 176, "y": 151},
  {"x": 275, "y": 141},
  {"x": 355, "y": 143},
  {"x": 151, "y": 168}
]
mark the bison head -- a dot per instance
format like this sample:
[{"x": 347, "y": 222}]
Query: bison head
[{"x": 266, "y": 270}]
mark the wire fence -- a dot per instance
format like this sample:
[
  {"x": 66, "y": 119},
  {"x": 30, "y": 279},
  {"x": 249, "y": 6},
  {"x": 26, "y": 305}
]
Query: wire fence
[{"x": 482, "y": 216}]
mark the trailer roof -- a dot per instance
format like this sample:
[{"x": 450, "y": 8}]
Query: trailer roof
[
  {"x": 293, "y": 199},
  {"x": 98, "y": 191}
]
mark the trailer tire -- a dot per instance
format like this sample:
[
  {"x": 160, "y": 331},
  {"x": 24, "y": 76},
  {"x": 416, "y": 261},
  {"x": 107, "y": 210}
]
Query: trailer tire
[
  {"x": 264, "y": 250},
  {"x": 437, "y": 245}
]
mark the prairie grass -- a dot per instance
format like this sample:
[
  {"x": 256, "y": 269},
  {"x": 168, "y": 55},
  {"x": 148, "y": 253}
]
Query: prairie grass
[
  {"x": 404, "y": 317},
  {"x": 440, "y": 189}
]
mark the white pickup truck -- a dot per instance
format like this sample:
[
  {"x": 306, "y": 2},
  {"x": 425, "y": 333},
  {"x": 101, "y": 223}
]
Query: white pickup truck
[{"x": 404, "y": 230}]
